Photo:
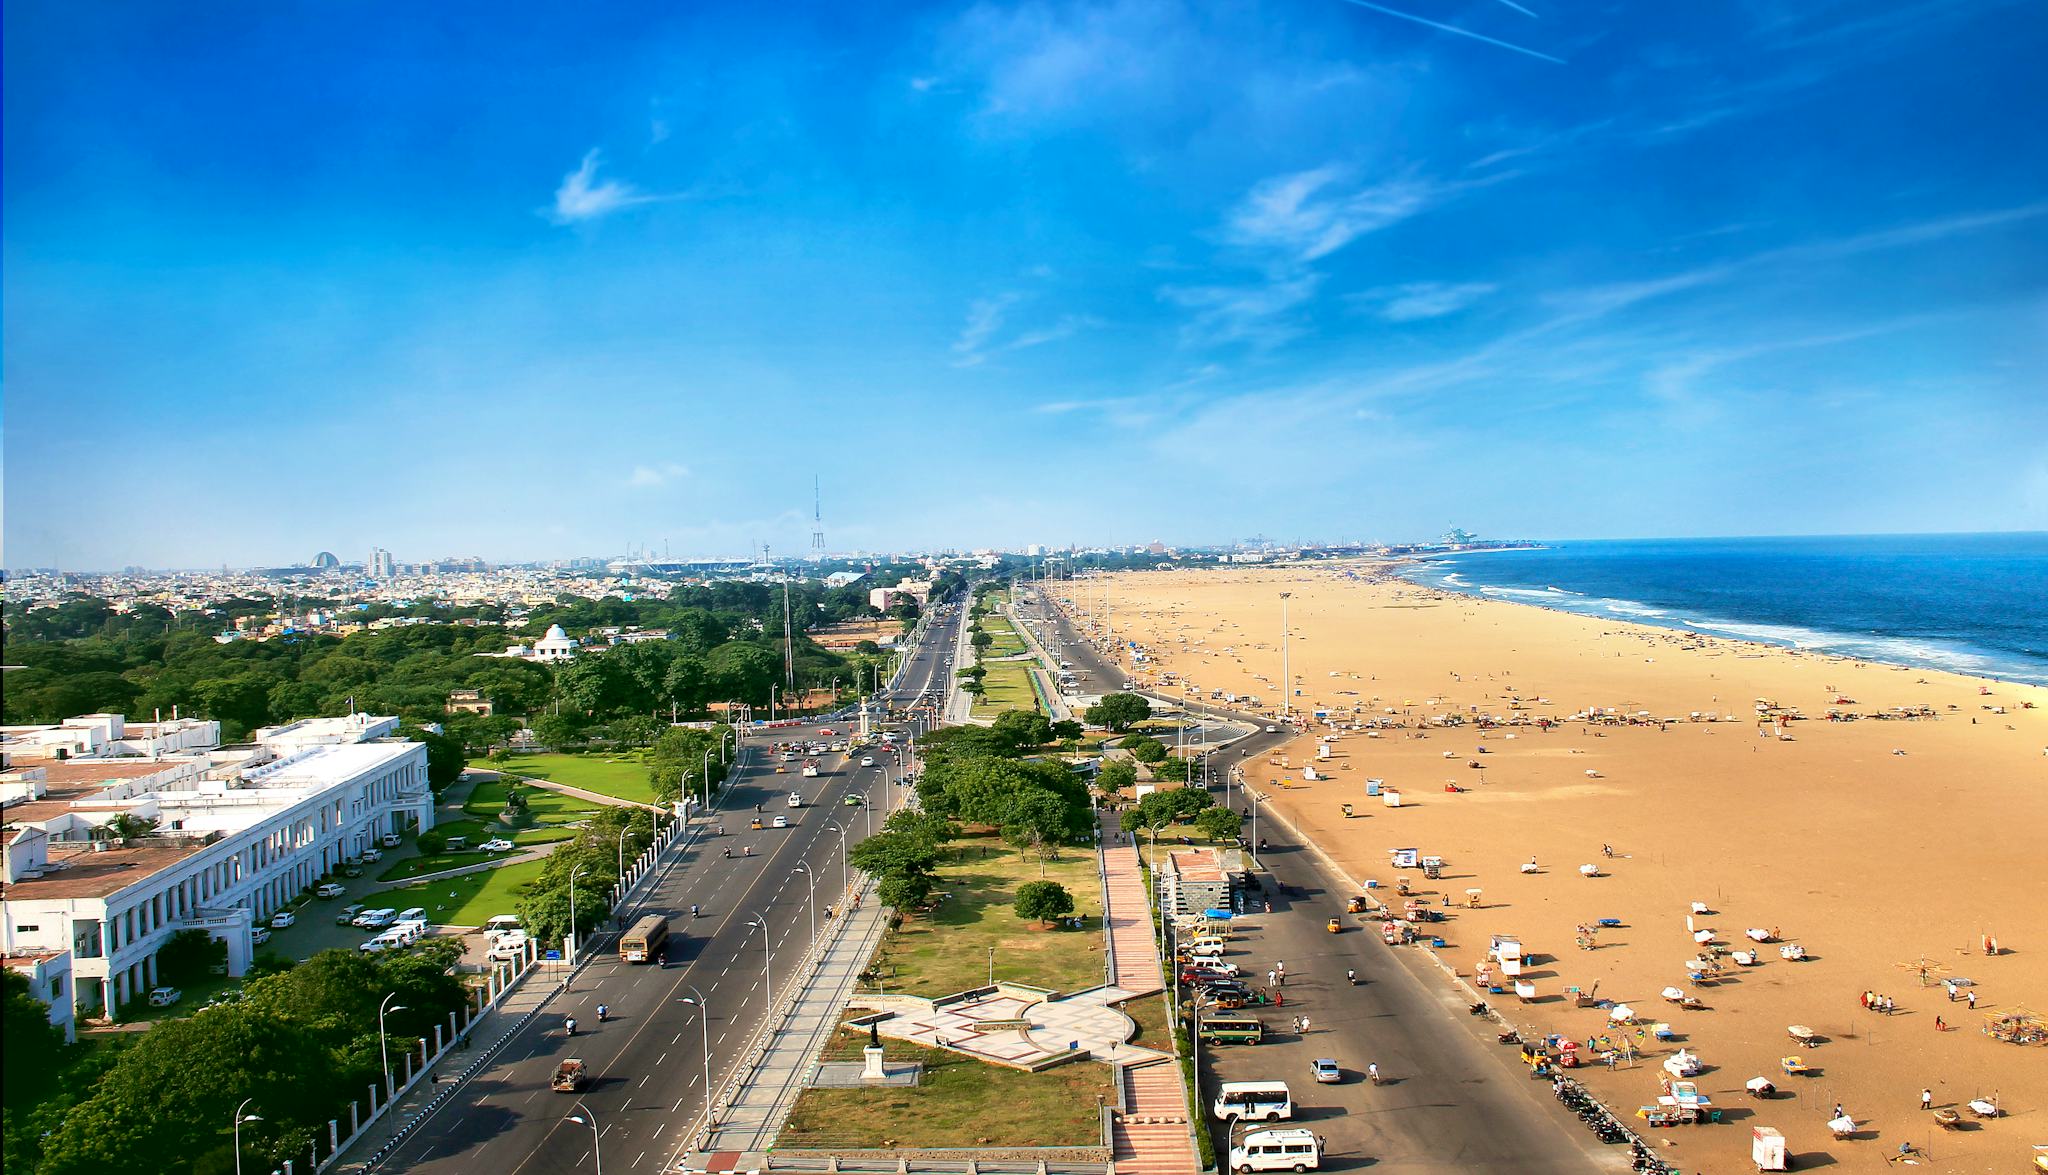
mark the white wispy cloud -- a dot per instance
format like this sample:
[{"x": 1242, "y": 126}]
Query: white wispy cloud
[
  {"x": 1461, "y": 32},
  {"x": 984, "y": 318},
  {"x": 1311, "y": 214},
  {"x": 1418, "y": 300},
  {"x": 582, "y": 196},
  {"x": 1260, "y": 314},
  {"x": 654, "y": 476}
]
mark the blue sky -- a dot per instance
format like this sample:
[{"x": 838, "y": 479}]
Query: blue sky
[{"x": 527, "y": 281}]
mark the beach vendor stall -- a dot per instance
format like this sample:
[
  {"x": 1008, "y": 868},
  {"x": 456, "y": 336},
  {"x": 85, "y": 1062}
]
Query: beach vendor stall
[
  {"x": 1792, "y": 952},
  {"x": 1767, "y": 1149},
  {"x": 1760, "y": 1087},
  {"x": 1683, "y": 1063},
  {"x": 1842, "y": 1127}
]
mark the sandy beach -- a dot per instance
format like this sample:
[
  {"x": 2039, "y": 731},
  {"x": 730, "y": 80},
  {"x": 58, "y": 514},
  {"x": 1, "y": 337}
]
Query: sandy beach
[{"x": 1887, "y": 847}]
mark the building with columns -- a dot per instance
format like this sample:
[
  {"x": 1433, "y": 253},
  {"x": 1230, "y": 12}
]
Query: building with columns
[{"x": 217, "y": 840}]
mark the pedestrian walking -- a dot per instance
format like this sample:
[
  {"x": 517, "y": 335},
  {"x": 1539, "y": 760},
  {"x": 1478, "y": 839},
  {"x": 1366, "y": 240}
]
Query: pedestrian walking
[
  {"x": 1973, "y": 1001},
  {"x": 1304, "y": 1024},
  {"x": 1272, "y": 979},
  {"x": 1939, "y": 1026},
  {"x": 1926, "y": 1099},
  {"x": 1838, "y": 1111}
]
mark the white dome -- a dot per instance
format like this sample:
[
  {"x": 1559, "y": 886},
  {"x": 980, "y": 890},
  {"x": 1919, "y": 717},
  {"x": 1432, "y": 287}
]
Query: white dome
[{"x": 555, "y": 633}]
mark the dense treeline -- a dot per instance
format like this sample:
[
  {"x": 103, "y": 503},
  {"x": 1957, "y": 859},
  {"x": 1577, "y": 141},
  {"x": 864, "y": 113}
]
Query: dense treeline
[
  {"x": 726, "y": 644},
  {"x": 300, "y": 1043}
]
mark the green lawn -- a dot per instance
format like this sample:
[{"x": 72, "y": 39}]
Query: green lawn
[
  {"x": 546, "y": 807},
  {"x": 470, "y": 899},
  {"x": 961, "y": 1102},
  {"x": 947, "y": 951},
  {"x": 621, "y": 775},
  {"x": 1008, "y": 642},
  {"x": 1007, "y": 687}
]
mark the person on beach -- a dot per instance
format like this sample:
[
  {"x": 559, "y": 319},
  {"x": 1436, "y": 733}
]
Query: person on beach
[
  {"x": 1939, "y": 1026},
  {"x": 1926, "y": 1099},
  {"x": 1973, "y": 1001}
]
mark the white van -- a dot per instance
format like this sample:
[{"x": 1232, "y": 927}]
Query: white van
[
  {"x": 408, "y": 930},
  {"x": 412, "y": 914},
  {"x": 1254, "y": 1101},
  {"x": 501, "y": 924},
  {"x": 1277, "y": 1150},
  {"x": 508, "y": 946}
]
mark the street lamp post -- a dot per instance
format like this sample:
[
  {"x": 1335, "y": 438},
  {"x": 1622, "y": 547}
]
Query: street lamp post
[
  {"x": 240, "y": 1118},
  {"x": 811, "y": 890},
  {"x": 703, "y": 1007},
  {"x": 622, "y": 853},
  {"x": 767, "y": 959},
  {"x": 383, "y": 1044},
  {"x": 844, "y": 887},
  {"x": 586, "y": 1118},
  {"x": 707, "y": 776},
  {"x": 573, "y": 936}
]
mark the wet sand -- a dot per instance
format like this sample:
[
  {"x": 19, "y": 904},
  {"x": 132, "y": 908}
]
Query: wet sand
[{"x": 1884, "y": 847}]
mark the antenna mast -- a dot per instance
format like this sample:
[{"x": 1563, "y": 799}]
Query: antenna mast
[{"x": 817, "y": 520}]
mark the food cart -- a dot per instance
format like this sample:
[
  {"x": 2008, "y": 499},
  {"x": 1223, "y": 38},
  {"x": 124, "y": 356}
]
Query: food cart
[{"x": 1396, "y": 932}]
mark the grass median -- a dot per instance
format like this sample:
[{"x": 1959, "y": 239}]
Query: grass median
[{"x": 469, "y": 899}]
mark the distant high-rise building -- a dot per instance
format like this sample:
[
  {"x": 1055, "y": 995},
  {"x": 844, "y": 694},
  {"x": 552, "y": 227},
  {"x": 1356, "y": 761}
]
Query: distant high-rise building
[
  {"x": 382, "y": 566},
  {"x": 325, "y": 561}
]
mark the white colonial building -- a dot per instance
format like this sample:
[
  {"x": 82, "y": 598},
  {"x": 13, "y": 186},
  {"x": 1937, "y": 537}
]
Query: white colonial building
[{"x": 231, "y": 836}]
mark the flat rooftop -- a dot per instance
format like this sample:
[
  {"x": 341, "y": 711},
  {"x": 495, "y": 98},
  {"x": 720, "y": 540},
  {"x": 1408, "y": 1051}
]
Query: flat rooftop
[
  {"x": 86, "y": 874},
  {"x": 1195, "y": 865}
]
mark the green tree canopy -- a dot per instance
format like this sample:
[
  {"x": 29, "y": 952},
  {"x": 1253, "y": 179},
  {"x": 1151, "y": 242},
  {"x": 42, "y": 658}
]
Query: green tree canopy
[
  {"x": 1119, "y": 712},
  {"x": 1043, "y": 901}
]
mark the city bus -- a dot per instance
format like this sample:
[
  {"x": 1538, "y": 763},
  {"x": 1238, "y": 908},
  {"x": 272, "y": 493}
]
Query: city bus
[
  {"x": 1254, "y": 1100},
  {"x": 1232, "y": 1030},
  {"x": 645, "y": 940}
]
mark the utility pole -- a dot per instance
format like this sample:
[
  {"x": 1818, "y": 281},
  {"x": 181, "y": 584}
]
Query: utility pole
[
  {"x": 788, "y": 642},
  {"x": 1286, "y": 682}
]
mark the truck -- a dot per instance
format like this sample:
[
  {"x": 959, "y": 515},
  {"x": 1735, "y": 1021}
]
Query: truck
[{"x": 570, "y": 1077}]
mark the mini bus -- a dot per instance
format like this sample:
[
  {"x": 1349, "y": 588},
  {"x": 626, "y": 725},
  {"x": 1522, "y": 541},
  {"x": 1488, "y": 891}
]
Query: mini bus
[
  {"x": 648, "y": 936},
  {"x": 1277, "y": 1150},
  {"x": 1232, "y": 1030},
  {"x": 1254, "y": 1101}
]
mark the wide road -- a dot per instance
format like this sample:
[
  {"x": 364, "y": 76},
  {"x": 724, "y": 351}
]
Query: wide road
[
  {"x": 1453, "y": 1098},
  {"x": 647, "y": 1061}
]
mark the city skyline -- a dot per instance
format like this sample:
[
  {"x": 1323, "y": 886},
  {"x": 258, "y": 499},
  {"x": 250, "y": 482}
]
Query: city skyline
[{"x": 578, "y": 283}]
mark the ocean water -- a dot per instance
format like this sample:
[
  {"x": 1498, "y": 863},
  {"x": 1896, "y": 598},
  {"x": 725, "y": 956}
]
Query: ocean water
[{"x": 1974, "y": 604}]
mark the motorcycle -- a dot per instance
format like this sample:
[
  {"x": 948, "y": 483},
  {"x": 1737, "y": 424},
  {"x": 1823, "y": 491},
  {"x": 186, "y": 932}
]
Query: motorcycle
[
  {"x": 1478, "y": 1009},
  {"x": 602, "y": 1012},
  {"x": 569, "y": 1026}
]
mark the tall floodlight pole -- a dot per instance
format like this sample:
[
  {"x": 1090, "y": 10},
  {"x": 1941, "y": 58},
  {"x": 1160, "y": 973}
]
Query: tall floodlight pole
[
  {"x": 811, "y": 895},
  {"x": 1286, "y": 680},
  {"x": 844, "y": 888},
  {"x": 767, "y": 960},
  {"x": 240, "y": 1118},
  {"x": 383, "y": 1045},
  {"x": 703, "y": 1021}
]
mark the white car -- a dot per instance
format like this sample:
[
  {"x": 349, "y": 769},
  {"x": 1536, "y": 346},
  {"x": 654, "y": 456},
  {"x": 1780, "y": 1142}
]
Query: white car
[
  {"x": 282, "y": 919},
  {"x": 500, "y": 845},
  {"x": 508, "y": 946},
  {"x": 412, "y": 914},
  {"x": 1272, "y": 730},
  {"x": 392, "y": 840},
  {"x": 373, "y": 854},
  {"x": 379, "y": 943},
  {"x": 1326, "y": 1071},
  {"x": 375, "y": 919},
  {"x": 260, "y": 935},
  {"x": 782, "y": 822},
  {"x": 329, "y": 889},
  {"x": 867, "y": 760},
  {"x": 164, "y": 997}
]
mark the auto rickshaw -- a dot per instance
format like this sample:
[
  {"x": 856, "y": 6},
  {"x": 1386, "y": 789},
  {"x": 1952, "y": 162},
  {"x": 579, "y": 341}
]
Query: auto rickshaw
[
  {"x": 1334, "y": 925},
  {"x": 1355, "y": 906},
  {"x": 754, "y": 823}
]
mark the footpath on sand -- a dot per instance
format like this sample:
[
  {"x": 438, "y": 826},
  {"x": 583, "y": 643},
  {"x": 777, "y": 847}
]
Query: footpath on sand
[{"x": 1152, "y": 1136}]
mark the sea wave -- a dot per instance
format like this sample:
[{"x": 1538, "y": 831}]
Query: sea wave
[{"x": 1919, "y": 653}]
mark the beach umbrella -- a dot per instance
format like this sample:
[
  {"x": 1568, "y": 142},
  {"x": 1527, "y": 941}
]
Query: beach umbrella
[{"x": 1621, "y": 1012}]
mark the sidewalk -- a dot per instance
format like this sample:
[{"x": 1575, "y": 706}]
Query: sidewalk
[
  {"x": 760, "y": 1104},
  {"x": 1151, "y": 1136}
]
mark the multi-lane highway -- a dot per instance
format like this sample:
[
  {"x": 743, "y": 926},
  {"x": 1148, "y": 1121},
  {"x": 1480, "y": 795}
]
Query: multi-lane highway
[
  {"x": 1450, "y": 1101},
  {"x": 647, "y": 1062}
]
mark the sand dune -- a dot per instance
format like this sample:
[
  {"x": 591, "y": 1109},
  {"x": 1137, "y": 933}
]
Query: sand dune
[{"x": 1884, "y": 847}]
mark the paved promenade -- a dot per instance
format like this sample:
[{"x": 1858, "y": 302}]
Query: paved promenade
[{"x": 1152, "y": 1135}]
